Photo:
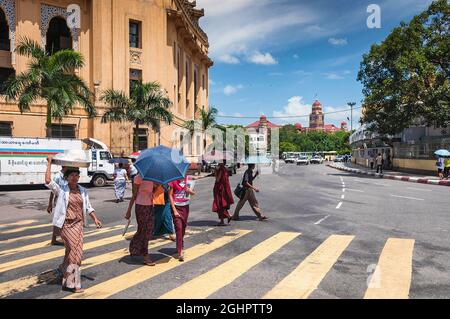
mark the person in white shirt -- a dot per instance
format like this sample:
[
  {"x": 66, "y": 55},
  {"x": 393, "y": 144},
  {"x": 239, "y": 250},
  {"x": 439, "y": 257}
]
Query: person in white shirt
[
  {"x": 440, "y": 165},
  {"x": 60, "y": 180},
  {"x": 120, "y": 182},
  {"x": 69, "y": 216},
  {"x": 379, "y": 161}
]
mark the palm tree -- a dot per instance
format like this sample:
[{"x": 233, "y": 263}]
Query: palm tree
[
  {"x": 50, "y": 78},
  {"x": 147, "y": 104},
  {"x": 207, "y": 121}
]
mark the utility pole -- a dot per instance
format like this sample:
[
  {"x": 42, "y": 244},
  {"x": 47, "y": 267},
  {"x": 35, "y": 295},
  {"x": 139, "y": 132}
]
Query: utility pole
[{"x": 351, "y": 104}]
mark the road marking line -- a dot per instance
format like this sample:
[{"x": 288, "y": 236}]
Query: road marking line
[
  {"x": 339, "y": 205},
  {"x": 343, "y": 190},
  {"x": 418, "y": 189},
  {"x": 25, "y": 283},
  {"x": 300, "y": 283},
  {"x": 13, "y": 240},
  {"x": 321, "y": 220},
  {"x": 355, "y": 190},
  {"x": 46, "y": 243},
  {"x": 342, "y": 196},
  {"x": 57, "y": 253},
  {"x": 221, "y": 276},
  {"x": 392, "y": 276},
  {"x": 20, "y": 229},
  {"x": 413, "y": 198},
  {"x": 141, "y": 274},
  {"x": 19, "y": 223}
]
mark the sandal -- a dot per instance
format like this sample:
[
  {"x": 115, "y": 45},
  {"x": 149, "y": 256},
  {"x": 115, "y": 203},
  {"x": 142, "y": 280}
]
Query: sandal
[{"x": 149, "y": 262}]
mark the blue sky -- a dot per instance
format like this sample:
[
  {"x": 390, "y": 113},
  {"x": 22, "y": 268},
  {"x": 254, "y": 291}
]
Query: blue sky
[{"x": 273, "y": 57}]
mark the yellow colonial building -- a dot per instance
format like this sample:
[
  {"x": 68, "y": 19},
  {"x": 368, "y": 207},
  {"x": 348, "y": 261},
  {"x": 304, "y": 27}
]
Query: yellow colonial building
[{"x": 121, "y": 41}]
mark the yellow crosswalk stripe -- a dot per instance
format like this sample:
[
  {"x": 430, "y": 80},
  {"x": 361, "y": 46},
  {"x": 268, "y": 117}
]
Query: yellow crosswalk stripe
[
  {"x": 46, "y": 243},
  {"x": 23, "y": 238},
  {"x": 25, "y": 283},
  {"x": 20, "y": 229},
  {"x": 392, "y": 276},
  {"x": 307, "y": 276},
  {"x": 141, "y": 274},
  {"x": 19, "y": 223},
  {"x": 210, "y": 282},
  {"x": 57, "y": 253}
]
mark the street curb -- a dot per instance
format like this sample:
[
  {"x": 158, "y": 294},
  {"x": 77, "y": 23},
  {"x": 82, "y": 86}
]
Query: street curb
[
  {"x": 196, "y": 178},
  {"x": 393, "y": 177}
]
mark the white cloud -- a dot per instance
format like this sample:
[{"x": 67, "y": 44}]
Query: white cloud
[
  {"x": 230, "y": 89},
  {"x": 228, "y": 58},
  {"x": 302, "y": 73},
  {"x": 221, "y": 113},
  {"x": 337, "y": 42},
  {"x": 295, "y": 107},
  {"x": 333, "y": 76},
  {"x": 339, "y": 114},
  {"x": 237, "y": 115},
  {"x": 261, "y": 58},
  {"x": 296, "y": 56},
  {"x": 211, "y": 82}
]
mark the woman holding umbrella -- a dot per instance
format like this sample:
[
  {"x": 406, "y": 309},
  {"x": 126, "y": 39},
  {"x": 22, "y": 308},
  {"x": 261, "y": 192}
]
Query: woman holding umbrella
[
  {"x": 443, "y": 163},
  {"x": 223, "y": 198},
  {"x": 164, "y": 165}
]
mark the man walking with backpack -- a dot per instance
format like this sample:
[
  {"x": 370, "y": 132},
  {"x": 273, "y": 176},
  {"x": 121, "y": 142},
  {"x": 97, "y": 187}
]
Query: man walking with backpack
[{"x": 249, "y": 195}]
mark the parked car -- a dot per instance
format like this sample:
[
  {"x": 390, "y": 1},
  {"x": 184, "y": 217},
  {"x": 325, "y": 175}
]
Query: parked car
[
  {"x": 316, "y": 160},
  {"x": 290, "y": 160},
  {"x": 302, "y": 160},
  {"x": 339, "y": 158}
]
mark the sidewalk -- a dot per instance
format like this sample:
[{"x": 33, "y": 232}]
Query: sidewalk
[{"x": 399, "y": 176}]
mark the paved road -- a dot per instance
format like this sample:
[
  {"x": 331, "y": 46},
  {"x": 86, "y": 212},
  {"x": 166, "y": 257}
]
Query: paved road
[{"x": 330, "y": 234}]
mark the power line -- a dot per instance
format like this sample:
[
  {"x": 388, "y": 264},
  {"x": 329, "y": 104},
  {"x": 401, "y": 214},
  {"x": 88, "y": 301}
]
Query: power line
[{"x": 283, "y": 117}]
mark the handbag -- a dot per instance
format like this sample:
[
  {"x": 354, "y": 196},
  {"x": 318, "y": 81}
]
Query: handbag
[{"x": 239, "y": 191}]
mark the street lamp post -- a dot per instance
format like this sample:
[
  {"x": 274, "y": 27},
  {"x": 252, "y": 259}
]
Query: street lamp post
[{"x": 351, "y": 104}]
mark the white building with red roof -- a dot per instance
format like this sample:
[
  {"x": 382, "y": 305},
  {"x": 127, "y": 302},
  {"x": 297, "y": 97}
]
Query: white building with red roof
[{"x": 259, "y": 133}]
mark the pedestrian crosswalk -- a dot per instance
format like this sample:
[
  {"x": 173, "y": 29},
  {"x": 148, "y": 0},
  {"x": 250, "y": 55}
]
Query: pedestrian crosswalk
[{"x": 25, "y": 267}]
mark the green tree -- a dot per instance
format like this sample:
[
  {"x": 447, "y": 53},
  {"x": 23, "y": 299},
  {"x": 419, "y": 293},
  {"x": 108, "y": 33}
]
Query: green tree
[
  {"x": 206, "y": 122},
  {"x": 406, "y": 77},
  {"x": 50, "y": 78},
  {"x": 147, "y": 104},
  {"x": 288, "y": 147}
]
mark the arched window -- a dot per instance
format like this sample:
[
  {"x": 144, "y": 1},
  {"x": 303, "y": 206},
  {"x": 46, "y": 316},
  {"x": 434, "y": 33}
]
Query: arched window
[
  {"x": 4, "y": 33},
  {"x": 58, "y": 36},
  {"x": 6, "y": 69}
]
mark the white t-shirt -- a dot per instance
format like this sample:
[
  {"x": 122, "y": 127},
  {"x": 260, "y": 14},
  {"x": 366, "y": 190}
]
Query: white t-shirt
[
  {"x": 133, "y": 170},
  {"x": 120, "y": 174}
]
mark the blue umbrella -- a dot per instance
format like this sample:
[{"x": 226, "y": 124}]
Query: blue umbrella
[
  {"x": 443, "y": 153},
  {"x": 162, "y": 165}
]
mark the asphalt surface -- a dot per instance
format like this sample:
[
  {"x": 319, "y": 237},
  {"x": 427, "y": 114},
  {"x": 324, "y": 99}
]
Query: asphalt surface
[{"x": 314, "y": 202}]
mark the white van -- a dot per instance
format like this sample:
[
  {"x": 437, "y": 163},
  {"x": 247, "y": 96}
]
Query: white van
[{"x": 23, "y": 161}]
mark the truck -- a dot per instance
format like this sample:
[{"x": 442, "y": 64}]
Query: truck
[{"x": 23, "y": 161}]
